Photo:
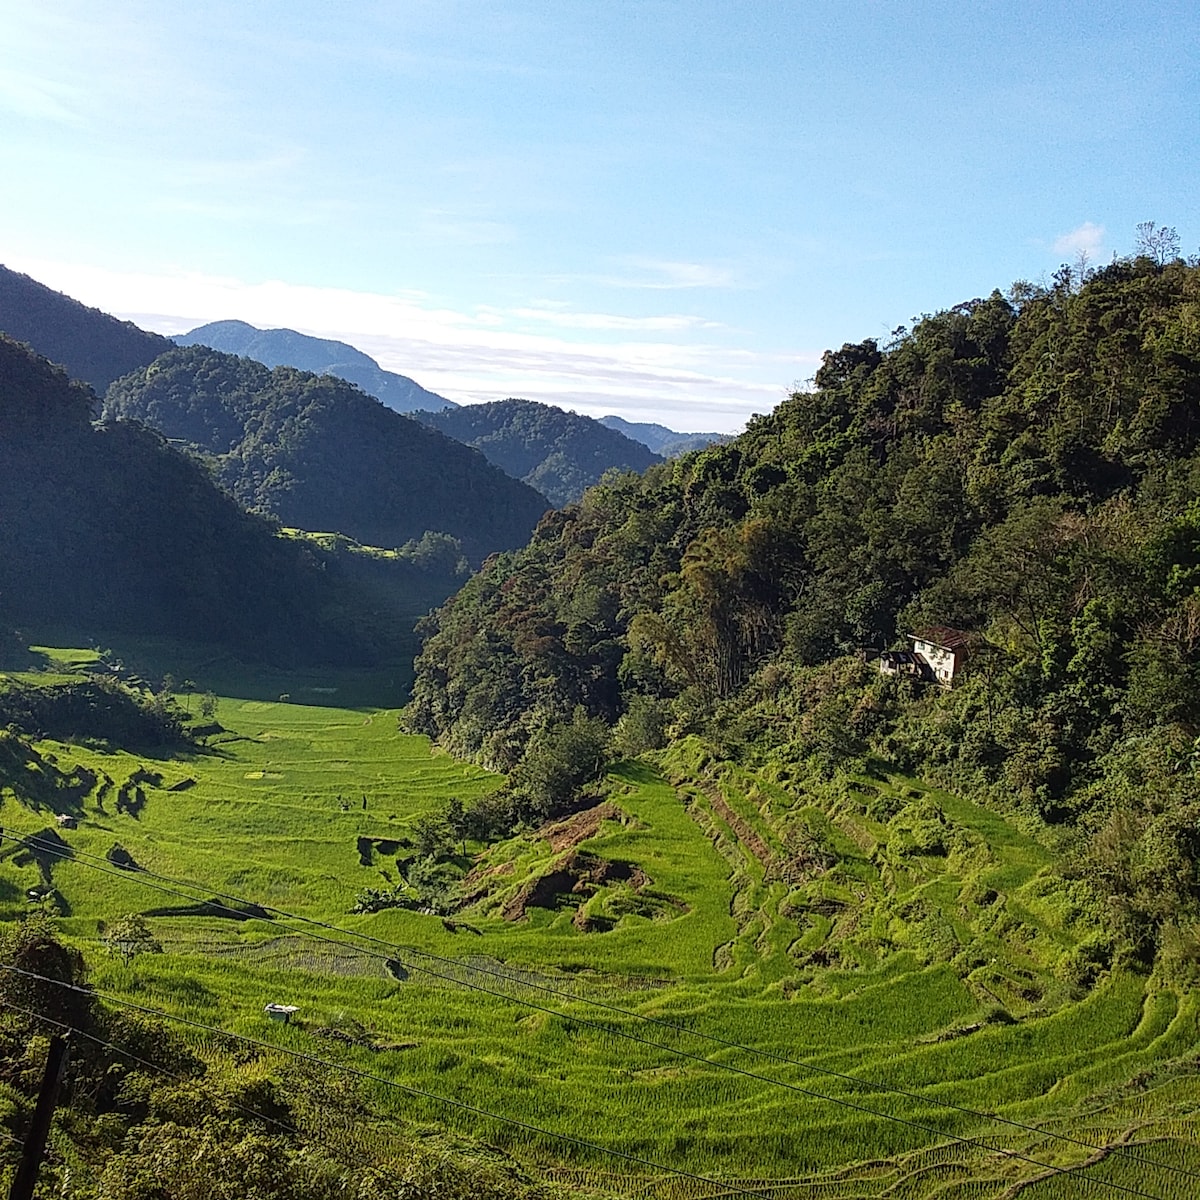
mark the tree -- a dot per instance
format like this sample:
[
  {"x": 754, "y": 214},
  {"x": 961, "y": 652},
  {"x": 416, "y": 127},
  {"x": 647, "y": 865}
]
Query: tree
[
  {"x": 130, "y": 937},
  {"x": 1159, "y": 242},
  {"x": 560, "y": 759}
]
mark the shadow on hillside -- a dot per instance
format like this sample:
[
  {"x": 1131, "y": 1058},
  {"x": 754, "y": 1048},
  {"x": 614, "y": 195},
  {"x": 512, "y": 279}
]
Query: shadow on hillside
[
  {"x": 632, "y": 771},
  {"x": 197, "y": 668}
]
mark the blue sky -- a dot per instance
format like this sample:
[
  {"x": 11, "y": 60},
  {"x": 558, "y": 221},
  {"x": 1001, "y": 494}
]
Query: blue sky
[{"x": 662, "y": 209}]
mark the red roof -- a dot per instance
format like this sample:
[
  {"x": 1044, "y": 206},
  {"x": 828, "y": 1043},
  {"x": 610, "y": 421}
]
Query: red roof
[{"x": 943, "y": 636}]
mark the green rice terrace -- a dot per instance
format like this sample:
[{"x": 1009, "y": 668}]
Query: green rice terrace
[{"x": 704, "y": 982}]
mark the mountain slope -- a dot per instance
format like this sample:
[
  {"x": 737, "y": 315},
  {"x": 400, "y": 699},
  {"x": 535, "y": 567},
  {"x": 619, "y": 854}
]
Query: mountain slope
[
  {"x": 109, "y": 528},
  {"x": 287, "y": 348},
  {"x": 88, "y": 343},
  {"x": 560, "y": 453},
  {"x": 319, "y": 454},
  {"x": 1021, "y": 470},
  {"x": 660, "y": 439}
]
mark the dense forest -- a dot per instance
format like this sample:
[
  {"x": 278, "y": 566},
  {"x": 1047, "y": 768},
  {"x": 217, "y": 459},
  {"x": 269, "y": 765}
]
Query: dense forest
[
  {"x": 560, "y": 453},
  {"x": 319, "y": 454},
  {"x": 91, "y": 345},
  {"x": 109, "y": 528},
  {"x": 1023, "y": 468},
  {"x": 322, "y": 356}
]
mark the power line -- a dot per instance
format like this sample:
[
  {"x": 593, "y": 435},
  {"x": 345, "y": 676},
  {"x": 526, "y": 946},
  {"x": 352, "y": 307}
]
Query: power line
[
  {"x": 370, "y": 1076},
  {"x": 974, "y": 1142},
  {"x": 75, "y": 1031},
  {"x": 617, "y": 1032},
  {"x": 284, "y": 1126}
]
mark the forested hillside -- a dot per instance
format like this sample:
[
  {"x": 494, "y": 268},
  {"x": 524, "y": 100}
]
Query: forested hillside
[
  {"x": 107, "y": 528},
  {"x": 320, "y": 454},
  {"x": 560, "y": 453},
  {"x": 88, "y": 343},
  {"x": 1023, "y": 468},
  {"x": 322, "y": 356}
]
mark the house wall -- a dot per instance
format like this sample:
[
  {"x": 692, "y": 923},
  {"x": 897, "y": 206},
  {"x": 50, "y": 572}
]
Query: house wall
[{"x": 940, "y": 660}]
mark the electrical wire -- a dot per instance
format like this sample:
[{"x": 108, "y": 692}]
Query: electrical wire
[
  {"x": 370, "y": 1076},
  {"x": 75, "y": 1031},
  {"x": 396, "y": 951}
]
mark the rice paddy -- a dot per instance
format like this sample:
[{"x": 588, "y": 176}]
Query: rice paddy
[{"x": 791, "y": 988}]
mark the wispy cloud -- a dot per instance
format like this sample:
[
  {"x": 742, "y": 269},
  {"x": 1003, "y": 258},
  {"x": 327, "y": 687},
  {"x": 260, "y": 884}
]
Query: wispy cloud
[
  {"x": 655, "y": 274},
  {"x": 613, "y": 321},
  {"x": 674, "y": 372},
  {"x": 41, "y": 99},
  {"x": 1087, "y": 238}
]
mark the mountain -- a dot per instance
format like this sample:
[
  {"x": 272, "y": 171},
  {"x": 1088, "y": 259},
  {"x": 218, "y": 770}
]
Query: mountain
[
  {"x": 287, "y": 348},
  {"x": 662, "y": 440},
  {"x": 318, "y": 453},
  {"x": 560, "y": 453},
  {"x": 1020, "y": 471},
  {"x": 110, "y": 529},
  {"x": 89, "y": 344}
]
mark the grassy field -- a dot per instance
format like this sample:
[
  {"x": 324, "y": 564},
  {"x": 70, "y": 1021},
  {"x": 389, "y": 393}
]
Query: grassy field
[{"x": 869, "y": 955}]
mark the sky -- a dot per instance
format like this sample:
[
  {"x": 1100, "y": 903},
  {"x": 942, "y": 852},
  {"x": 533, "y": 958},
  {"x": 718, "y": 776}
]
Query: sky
[{"x": 663, "y": 209}]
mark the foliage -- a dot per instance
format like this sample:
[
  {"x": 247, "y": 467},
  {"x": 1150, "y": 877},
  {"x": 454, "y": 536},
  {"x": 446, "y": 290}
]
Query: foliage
[
  {"x": 142, "y": 1118},
  {"x": 102, "y": 707},
  {"x": 118, "y": 531},
  {"x": 91, "y": 345},
  {"x": 864, "y": 923},
  {"x": 1020, "y": 467},
  {"x": 129, "y": 936},
  {"x": 321, "y": 455},
  {"x": 559, "y": 453}
]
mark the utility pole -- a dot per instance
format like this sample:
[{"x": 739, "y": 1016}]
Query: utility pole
[{"x": 35, "y": 1142}]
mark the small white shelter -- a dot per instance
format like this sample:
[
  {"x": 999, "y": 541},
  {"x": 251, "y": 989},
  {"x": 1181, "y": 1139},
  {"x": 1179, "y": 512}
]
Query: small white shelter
[{"x": 281, "y": 1012}]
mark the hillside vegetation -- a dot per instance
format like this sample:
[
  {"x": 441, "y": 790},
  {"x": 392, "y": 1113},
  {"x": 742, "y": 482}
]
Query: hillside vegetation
[
  {"x": 322, "y": 356},
  {"x": 89, "y": 344},
  {"x": 1022, "y": 467},
  {"x": 560, "y": 453},
  {"x": 321, "y": 455},
  {"x": 108, "y": 528},
  {"x": 850, "y": 988}
]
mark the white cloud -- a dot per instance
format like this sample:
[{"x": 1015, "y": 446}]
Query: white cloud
[
  {"x": 1087, "y": 238},
  {"x": 474, "y": 355},
  {"x": 655, "y": 274}
]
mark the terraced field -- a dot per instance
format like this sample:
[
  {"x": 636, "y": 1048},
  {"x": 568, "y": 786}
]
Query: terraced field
[{"x": 763, "y": 985}]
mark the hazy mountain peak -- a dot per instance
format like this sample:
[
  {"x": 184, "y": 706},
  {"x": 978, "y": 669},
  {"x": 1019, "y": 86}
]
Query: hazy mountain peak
[{"x": 322, "y": 356}]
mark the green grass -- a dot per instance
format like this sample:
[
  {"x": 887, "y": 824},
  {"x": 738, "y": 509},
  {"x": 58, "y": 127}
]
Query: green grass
[{"x": 932, "y": 973}]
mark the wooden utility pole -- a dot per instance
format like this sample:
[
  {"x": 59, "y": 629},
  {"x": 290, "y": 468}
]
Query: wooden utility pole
[{"x": 35, "y": 1141}]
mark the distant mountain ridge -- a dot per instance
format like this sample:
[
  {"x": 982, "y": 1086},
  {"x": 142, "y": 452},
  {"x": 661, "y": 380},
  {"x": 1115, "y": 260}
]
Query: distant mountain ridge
[
  {"x": 321, "y": 455},
  {"x": 662, "y": 440},
  {"x": 558, "y": 452},
  {"x": 322, "y": 356},
  {"x": 89, "y": 344}
]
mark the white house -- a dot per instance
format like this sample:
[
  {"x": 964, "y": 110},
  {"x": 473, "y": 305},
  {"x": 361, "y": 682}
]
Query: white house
[{"x": 937, "y": 653}]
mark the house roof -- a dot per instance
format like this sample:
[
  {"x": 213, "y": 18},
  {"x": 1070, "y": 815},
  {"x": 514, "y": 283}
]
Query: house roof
[{"x": 943, "y": 636}]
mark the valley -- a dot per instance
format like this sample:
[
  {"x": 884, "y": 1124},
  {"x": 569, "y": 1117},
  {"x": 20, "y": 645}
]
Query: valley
[{"x": 866, "y": 988}]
